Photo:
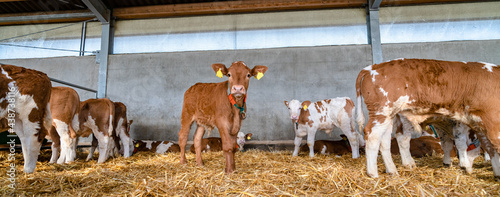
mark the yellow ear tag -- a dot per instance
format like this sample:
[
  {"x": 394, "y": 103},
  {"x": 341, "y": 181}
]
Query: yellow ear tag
[
  {"x": 137, "y": 145},
  {"x": 248, "y": 138},
  {"x": 259, "y": 75},
  {"x": 305, "y": 107},
  {"x": 219, "y": 73}
]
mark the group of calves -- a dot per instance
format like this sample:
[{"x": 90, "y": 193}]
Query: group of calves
[
  {"x": 107, "y": 120},
  {"x": 440, "y": 136}
]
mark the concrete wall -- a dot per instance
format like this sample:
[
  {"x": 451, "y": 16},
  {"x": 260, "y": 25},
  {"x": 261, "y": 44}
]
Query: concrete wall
[{"x": 153, "y": 85}]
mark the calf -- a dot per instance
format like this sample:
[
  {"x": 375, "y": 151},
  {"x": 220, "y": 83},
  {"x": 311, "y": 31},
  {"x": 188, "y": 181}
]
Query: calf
[
  {"x": 123, "y": 144},
  {"x": 97, "y": 117},
  {"x": 209, "y": 144},
  {"x": 159, "y": 147},
  {"x": 324, "y": 115},
  {"x": 221, "y": 105},
  {"x": 64, "y": 107},
  {"x": 418, "y": 89},
  {"x": 215, "y": 143},
  {"x": 449, "y": 133},
  {"x": 241, "y": 139},
  {"x": 121, "y": 125},
  {"x": 420, "y": 147},
  {"x": 24, "y": 109},
  {"x": 455, "y": 134},
  {"x": 327, "y": 147}
]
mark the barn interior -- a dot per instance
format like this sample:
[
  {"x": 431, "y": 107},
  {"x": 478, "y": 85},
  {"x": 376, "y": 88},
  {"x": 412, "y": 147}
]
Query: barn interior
[{"x": 146, "y": 54}]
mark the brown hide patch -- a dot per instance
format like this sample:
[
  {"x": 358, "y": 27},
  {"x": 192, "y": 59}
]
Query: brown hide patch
[
  {"x": 349, "y": 106},
  {"x": 304, "y": 117},
  {"x": 64, "y": 104},
  {"x": 319, "y": 106}
]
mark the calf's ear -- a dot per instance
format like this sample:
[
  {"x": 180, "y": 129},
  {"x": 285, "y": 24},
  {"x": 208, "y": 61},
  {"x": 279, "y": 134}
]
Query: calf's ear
[
  {"x": 286, "y": 103},
  {"x": 220, "y": 69},
  {"x": 305, "y": 105},
  {"x": 258, "y": 71},
  {"x": 248, "y": 136}
]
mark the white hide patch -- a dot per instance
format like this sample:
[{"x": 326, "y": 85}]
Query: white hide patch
[
  {"x": 95, "y": 130},
  {"x": 6, "y": 74},
  {"x": 398, "y": 104},
  {"x": 385, "y": 94},
  {"x": 59, "y": 124},
  {"x": 323, "y": 150},
  {"x": 488, "y": 66},
  {"x": 75, "y": 123},
  {"x": 373, "y": 73},
  {"x": 28, "y": 104},
  {"x": 149, "y": 144},
  {"x": 119, "y": 127},
  {"x": 110, "y": 128},
  {"x": 162, "y": 148}
]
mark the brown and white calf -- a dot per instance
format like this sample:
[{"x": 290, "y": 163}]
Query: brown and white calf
[
  {"x": 123, "y": 144},
  {"x": 24, "y": 109},
  {"x": 420, "y": 147},
  {"x": 451, "y": 134},
  {"x": 241, "y": 139},
  {"x": 209, "y": 144},
  {"x": 64, "y": 107},
  {"x": 418, "y": 89},
  {"x": 327, "y": 147},
  {"x": 215, "y": 143},
  {"x": 159, "y": 147},
  {"x": 97, "y": 117},
  {"x": 122, "y": 128},
  {"x": 221, "y": 105},
  {"x": 324, "y": 115}
]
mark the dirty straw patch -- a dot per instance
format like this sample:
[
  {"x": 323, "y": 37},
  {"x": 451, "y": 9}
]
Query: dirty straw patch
[{"x": 259, "y": 173}]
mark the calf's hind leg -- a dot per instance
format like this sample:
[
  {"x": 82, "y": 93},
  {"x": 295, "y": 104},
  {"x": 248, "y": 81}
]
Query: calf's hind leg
[
  {"x": 183, "y": 137},
  {"x": 200, "y": 131}
]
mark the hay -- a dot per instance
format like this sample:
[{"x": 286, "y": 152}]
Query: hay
[{"x": 259, "y": 173}]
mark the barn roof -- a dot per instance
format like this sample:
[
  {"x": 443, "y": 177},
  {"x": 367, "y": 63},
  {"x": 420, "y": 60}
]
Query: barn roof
[{"x": 47, "y": 11}]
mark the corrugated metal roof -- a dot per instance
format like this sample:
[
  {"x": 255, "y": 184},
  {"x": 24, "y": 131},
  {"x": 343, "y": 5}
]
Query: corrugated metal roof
[
  {"x": 26, "y": 11},
  {"x": 27, "y": 6}
]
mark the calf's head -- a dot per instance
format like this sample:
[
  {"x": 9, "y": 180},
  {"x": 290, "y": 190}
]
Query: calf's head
[
  {"x": 241, "y": 139},
  {"x": 294, "y": 107},
  {"x": 238, "y": 75}
]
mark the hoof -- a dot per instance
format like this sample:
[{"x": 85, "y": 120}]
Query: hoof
[
  {"x": 410, "y": 166},
  {"x": 375, "y": 175},
  {"x": 446, "y": 165}
]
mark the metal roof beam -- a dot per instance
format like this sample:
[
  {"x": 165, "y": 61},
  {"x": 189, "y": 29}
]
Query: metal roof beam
[
  {"x": 99, "y": 9},
  {"x": 44, "y": 17},
  {"x": 375, "y": 4}
]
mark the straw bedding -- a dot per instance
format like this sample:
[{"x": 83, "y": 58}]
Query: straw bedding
[{"x": 259, "y": 173}]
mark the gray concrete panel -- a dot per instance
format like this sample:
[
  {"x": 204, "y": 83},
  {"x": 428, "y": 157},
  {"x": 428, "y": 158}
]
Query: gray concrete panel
[{"x": 153, "y": 85}]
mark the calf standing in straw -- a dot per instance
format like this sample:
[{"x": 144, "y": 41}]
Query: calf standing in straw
[
  {"x": 221, "y": 105},
  {"x": 324, "y": 115}
]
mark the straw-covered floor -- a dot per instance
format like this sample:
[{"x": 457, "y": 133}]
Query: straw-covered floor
[{"x": 259, "y": 173}]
